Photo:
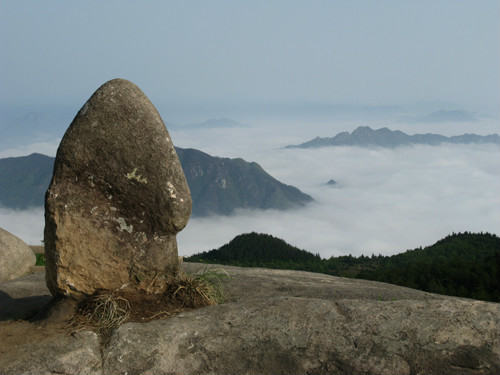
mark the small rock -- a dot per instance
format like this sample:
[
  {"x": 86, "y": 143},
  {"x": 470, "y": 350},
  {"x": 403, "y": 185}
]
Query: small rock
[
  {"x": 16, "y": 257},
  {"x": 117, "y": 198}
]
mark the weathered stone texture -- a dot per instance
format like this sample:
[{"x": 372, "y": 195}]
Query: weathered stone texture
[
  {"x": 117, "y": 198},
  {"x": 56, "y": 354},
  {"x": 16, "y": 257},
  {"x": 296, "y": 335},
  {"x": 288, "y": 322}
]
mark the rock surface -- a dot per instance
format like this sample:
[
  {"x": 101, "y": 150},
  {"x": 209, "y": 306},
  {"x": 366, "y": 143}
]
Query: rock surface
[
  {"x": 58, "y": 353},
  {"x": 280, "y": 322},
  {"x": 16, "y": 257},
  {"x": 117, "y": 198}
]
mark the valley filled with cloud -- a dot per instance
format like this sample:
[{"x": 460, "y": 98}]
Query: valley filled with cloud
[{"x": 384, "y": 200}]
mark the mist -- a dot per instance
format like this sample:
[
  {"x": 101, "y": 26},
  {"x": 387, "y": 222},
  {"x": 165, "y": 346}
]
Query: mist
[
  {"x": 384, "y": 201},
  {"x": 26, "y": 224}
]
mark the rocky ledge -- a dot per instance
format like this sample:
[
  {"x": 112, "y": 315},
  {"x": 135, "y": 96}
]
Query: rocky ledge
[{"x": 280, "y": 322}]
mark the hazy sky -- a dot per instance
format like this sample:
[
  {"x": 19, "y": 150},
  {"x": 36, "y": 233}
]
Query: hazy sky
[
  {"x": 197, "y": 60},
  {"x": 225, "y": 54}
]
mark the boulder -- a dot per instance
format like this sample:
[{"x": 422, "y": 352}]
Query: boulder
[
  {"x": 16, "y": 257},
  {"x": 277, "y": 322},
  {"x": 117, "y": 198}
]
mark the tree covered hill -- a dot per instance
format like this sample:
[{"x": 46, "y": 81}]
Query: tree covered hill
[
  {"x": 463, "y": 264},
  {"x": 259, "y": 250}
]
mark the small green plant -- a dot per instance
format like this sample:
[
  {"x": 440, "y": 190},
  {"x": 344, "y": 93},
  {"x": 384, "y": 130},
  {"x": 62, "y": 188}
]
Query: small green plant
[
  {"x": 207, "y": 284},
  {"x": 40, "y": 260}
]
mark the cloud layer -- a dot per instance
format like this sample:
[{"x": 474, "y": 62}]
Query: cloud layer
[
  {"x": 385, "y": 201},
  {"x": 25, "y": 224}
]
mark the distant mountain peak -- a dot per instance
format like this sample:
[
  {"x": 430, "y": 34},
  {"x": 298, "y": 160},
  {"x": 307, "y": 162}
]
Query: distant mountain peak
[
  {"x": 364, "y": 136},
  {"x": 331, "y": 182},
  {"x": 444, "y": 115},
  {"x": 223, "y": 122}
]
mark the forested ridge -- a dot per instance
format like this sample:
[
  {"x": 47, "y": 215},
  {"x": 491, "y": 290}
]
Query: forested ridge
[{"x": 461, "y": 264}]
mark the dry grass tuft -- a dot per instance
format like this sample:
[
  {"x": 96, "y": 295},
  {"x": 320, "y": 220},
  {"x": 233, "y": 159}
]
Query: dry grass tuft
[
  {"x": 105, "y": 311},
  {"x": 102, "y": 313}
]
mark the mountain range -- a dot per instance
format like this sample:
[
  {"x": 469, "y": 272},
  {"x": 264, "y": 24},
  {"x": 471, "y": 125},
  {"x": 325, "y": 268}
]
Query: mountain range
[
  {"x": 218, "y": 185},
  {"x": 364, "y": 136}
]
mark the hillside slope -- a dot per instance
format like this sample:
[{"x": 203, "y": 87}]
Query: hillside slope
[
  {"x": 218, "y": 185},
  {"x": 24, "y": 180}
]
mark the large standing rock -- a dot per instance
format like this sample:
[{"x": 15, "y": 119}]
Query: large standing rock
[
  {"x": 117, "y": 199},
  {"x": 16, "y": 257}
]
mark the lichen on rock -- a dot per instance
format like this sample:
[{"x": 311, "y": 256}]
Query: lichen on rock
[{"x": 110, "y": 213}]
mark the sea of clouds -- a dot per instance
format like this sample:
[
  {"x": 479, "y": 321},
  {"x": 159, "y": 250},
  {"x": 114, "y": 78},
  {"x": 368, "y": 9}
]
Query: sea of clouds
[{"x": 385, "y": 200}]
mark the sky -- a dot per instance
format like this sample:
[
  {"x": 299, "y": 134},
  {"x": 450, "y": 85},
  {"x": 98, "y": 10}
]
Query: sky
[
  {"x": 292, "y": 70},
  {"x": 211, "y": 56}
]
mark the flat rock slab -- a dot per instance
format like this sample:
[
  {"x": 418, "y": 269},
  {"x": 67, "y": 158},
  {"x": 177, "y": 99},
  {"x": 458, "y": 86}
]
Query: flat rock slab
[
  {"x": 287, "y": 322},
  {"x": 296, "y": 335}
]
